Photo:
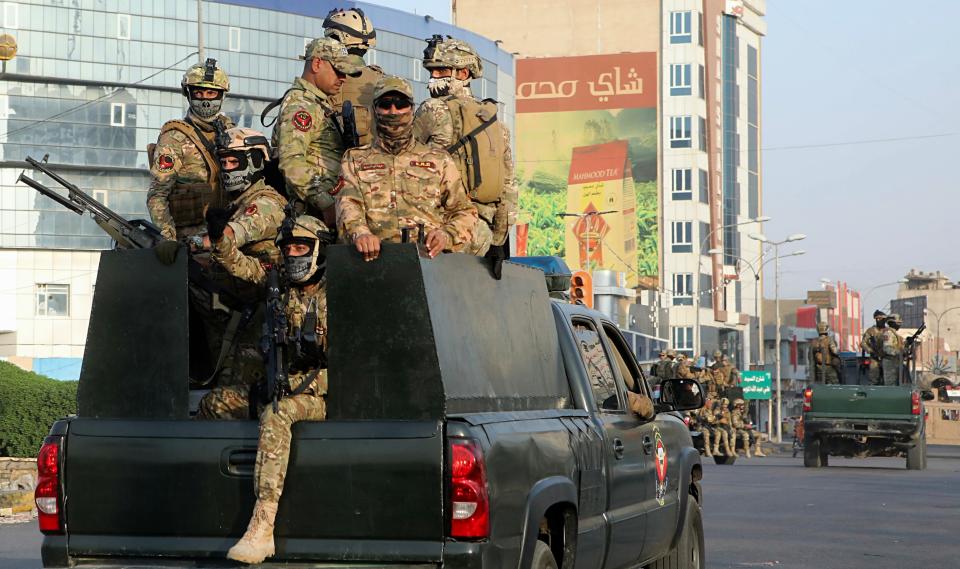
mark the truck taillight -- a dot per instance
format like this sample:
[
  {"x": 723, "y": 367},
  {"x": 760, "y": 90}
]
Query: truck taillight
[
  {"x": 915, "y": 403},
  {"x": 47, "y": 494},
  {"x": 808, "y": 399},
  {"x": 469, "y": 503}
]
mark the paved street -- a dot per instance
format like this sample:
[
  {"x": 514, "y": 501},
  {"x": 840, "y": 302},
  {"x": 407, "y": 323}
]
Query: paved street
[{"x": 772, "y": 512}]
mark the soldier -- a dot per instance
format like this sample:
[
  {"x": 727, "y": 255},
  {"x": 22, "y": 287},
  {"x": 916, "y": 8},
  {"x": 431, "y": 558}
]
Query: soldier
[
  {"x": 725, "y": 423},
  {"x": 718, "y": 431},
  {"x": 354, "y": 30},
  {"x": 731, "y": 375},
  {"x": 655, "y": 366},
  {"x": 183, "y": 163},
  {"x": 683, "y": 370},
  {"x": 704, "y": 420},
  {"x": 302, "y": 244},
  {"x": 397, "y": 182},
  {"x": 892, "y": 351},
  {"x": 306, "y": 138},
  {"x": 739, "y": 425},
  {"x": 824, "y": 357},
  {"x": 871, "y": 346},
  {"x": 454, "y": 119},
  {"x": 755, "y": 437}
]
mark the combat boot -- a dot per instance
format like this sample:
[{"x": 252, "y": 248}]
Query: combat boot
[
  {"x": 257, "y": 543},
  {"x": 716, "y": 444},
  {"x": 730, "y": 450},
  {"x": 746, "y": 444},
  {"x": 759, "y": 449},
  {"x": 706, "y": 444}
]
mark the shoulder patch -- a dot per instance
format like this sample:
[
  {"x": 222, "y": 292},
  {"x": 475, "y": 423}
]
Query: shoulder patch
[
  {"x": 423, "y": 164},
  {"x": 251, "y": 209},
  {"x": 302, "y": 120},
  {"x": 372, "y": 166},
  {"x": 165, "y": 162},
  {"x": 336, "y": 189}
]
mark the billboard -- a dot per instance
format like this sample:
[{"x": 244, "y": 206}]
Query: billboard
[{"x": 586, "y": 157}]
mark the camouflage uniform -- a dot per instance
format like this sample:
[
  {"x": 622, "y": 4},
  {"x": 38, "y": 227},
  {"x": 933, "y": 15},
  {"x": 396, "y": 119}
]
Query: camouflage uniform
[
  {"x": 825, "y": 360},
  {"x": 739, "y": 429},
  {"x": 683, "y": 369},
  {"x": 892, "y": 351},
  {"x": 872, "y": 346},
  {"x": 711, "y": 420},
  {"x": 181, "y": 180},
  {"x": 381, "y": 193},
  {"x": 306, "y": 138},
  {"x": 359, "y": 91},
  {"x": 725, "y": 424},
  {"x": 259, "y": 211}
]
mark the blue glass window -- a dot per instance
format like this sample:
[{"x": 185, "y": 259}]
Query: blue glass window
[
  {"x": 680, "y": 28},
  {"x": 680, "y": 79},
  {"x": 680, "y": 135}
]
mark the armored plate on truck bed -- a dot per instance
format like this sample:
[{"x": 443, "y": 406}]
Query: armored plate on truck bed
[{"x": 417, "y": 338}]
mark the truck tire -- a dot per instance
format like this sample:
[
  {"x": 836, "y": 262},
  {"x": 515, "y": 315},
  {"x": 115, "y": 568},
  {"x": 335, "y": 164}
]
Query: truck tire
[
  {"x": 812, "y": 458},
  {"x": 728, "y": 460},
  {"x": 917, "y": 456},
  {"x": 689, "y": 553},
  {"x": 543, "y": 557}
]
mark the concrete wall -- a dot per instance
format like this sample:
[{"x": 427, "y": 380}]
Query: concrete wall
[{"x": 552, "y": 28}]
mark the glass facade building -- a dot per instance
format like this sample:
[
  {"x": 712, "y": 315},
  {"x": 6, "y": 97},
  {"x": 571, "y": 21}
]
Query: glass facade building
[{"x": 94, "y": 80}]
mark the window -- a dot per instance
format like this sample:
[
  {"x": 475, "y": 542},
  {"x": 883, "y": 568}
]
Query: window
[
  {"x": 681, "y": 184},
  {"x": 599, "y": 372},
  {"x": 683, "y": 289},
  {"x": 11, "y": 18},
  {"x": 680, "y": 79},
  {"x": 702, "y": 134},
  {"x": 625, "y": 360},
  {"x": 683, "y": 339},
  {"x": 101, "y": 196},
  {"x": 706, "y": 291},
  {"x": 123, "y": 26},
  {"x": 702, "y": 82},
  {"x": 705, "y": 186},
  {"x": 372, "y": 57},
  {"x": 53, "y": 300},
  {"x": 233, "y": 39},
  {"x": 117, "y": 114},
  {"x": 680, "y": 136},
  {"x": 682, "y": 236},
  {"x": 417, "y": 69},
  {"x": 680, "y": 27}
]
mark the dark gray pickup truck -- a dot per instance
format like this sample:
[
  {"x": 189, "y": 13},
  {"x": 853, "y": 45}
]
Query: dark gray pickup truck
[{"x": 472, "y": 423}]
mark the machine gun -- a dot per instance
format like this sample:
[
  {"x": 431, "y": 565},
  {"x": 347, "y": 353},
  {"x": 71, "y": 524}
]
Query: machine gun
[
  {"x": 910, "y": 344},
  {"x": 274, "y": 341},
  {"x": 126, "y": 234}
]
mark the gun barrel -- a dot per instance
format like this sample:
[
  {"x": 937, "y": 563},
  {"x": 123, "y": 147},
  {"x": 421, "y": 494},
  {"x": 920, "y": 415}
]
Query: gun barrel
[{"x": 50, "y": 193}]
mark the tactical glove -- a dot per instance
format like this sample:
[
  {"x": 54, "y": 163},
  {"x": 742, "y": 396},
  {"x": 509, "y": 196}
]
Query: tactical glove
[
  {"x": 497, "y": 256},
  {"x": 217, "y": 219},
  {"x": 166, "y": 251}
]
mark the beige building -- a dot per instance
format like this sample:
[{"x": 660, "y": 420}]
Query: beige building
[
  {"x": 931, "y": 298},
  {"x": 557, "y": 28}
]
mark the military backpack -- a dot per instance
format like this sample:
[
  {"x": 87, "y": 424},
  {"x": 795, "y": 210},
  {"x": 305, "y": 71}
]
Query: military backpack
[{"x": 479, "y": 152}]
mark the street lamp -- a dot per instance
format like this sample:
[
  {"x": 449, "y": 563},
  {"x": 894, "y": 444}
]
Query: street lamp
[
  {"x": 696, "y": 280},
  {"x": 939, "y": 316},
  {"x": 863, "y": 299},
  {"x": 776, "y": 351}
]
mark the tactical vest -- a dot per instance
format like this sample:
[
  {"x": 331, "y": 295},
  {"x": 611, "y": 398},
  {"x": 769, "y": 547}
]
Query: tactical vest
[
  {"x": 359, "y": 91},
  {"x": 480, "y": 149},
  {"x": 265, "y": 249},
  {"x": 187, "y": 201}
]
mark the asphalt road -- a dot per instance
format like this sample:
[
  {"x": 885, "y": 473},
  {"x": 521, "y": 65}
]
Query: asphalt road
[{"x": 773, "y": 512}]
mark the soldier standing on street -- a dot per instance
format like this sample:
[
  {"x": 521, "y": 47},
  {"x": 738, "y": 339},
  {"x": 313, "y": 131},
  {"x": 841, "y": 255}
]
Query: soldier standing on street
[
  {"x": 892, "y": 351},
  {"x": 655, "y": 366},
  {"x": 354, "y": 30},
  {"x": 872, "y": 346},
  {"x": 468, "y": 128},
  {"x": 397, "y": 182},
  {"x": 302, "y": 243},
  {"x": 183, "y": 163},
  {"x": 824, "y": 357},
  {"x": 306, "y": 138}
]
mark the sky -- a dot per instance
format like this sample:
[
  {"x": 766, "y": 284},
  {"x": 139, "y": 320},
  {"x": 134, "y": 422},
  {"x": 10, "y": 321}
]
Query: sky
[{"x": 840, "y": 80}]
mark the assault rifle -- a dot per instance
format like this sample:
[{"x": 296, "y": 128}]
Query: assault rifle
[
  {"x": 274, "y": 341},
  {"x": 126, "y": 234},
  {"x": 351, "y": 139}
]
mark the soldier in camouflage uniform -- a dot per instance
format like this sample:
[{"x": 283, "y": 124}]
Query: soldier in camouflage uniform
[
  {"x": 872, "y": 346},
  {"x": 397, "y": 182},
  {"x": 824, "y": 357},
  {"x": 306, "y": 138},
  {"x": 354, "y": 30},
  {"x": 739, "y": 426},
  {"x": 683, "y": 368},
  {"x": 655, "y": 366},
  {"x": 892, "y": 351},
  {"x": 452, "y": 65},
  {"x": 302, "y": 243},
  {"x": 183, "y": 163},
  {"x": 711, "y": 419},
  {"x": 725, "y": 424}
]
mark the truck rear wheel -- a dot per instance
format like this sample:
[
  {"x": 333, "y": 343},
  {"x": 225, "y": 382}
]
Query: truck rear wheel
[
  {"x": 812, "y": 457},
  {"x": 543, "y": 557},
  {"x": 917, "y": 456},
  {"x": 689, "y": 553}
]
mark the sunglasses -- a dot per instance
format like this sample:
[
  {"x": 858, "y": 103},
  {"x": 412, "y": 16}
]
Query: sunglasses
[{"x": 399, "y": 103}]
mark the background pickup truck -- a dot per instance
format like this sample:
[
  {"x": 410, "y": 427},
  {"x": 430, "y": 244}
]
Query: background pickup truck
[
  {"x": 861, "y": 421},
  {"x": 472, "y": 423}
]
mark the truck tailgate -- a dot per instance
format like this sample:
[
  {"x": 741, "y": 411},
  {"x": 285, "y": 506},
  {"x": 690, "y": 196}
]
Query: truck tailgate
[
  {"x": 365, "y": 491},
  {"x": 861, "y": 401}
]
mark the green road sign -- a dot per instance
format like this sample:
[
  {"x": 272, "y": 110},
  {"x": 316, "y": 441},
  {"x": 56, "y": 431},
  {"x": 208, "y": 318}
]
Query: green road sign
[{"x": 755, "y": 384}]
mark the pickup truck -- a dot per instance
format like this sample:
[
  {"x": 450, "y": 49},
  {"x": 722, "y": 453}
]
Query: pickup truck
[
  {"x": 472, "y": 423},
  {"x": 862, "y": 421}
]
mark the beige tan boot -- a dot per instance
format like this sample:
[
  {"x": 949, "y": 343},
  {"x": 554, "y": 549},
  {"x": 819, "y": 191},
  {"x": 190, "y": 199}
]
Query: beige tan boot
[
  {"x": 759, "y": 449},
  {"x": 730, "y": 450},
  {"x": 257, "y": 543},
  {"x": 716, "y": 443},
  {"x": 706, "y": 444},
  {"x": 746, "y": 443}
]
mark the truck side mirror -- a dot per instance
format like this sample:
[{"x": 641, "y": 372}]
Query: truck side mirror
[{"x": 681, "y": 394}]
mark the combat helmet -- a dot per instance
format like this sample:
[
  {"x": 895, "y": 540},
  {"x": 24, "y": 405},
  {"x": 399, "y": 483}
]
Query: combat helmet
[
  {"x": 352, "y": 28},
  {"x": 717, "y": 355},
  {"x": 451, "y": 53},
  {"x": 738, "y": 402},
  {"x": 822, "y": 327},
  {"x": 309, "y": 231},
  {"x": 671, "y": 353},
  {"x": 252, "y": 151},
  {"x": 205, "y": 76}
]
